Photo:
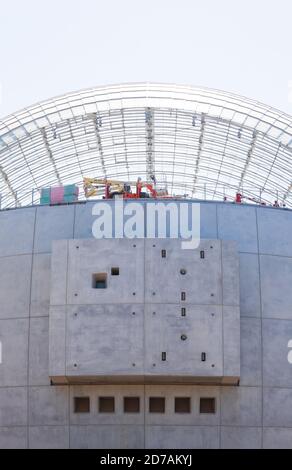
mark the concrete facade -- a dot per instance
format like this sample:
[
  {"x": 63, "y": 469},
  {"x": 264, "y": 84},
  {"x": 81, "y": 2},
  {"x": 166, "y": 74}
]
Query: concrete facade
[{"x": 34, "y": 414}]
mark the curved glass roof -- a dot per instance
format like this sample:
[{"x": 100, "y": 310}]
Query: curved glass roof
[{"x": 205, "y": 143}]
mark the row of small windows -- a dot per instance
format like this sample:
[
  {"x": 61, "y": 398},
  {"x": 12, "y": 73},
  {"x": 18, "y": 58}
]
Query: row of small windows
[{"x": 132, "y": 405}]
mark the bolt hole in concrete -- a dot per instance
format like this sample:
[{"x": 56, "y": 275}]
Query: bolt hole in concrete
[
  {"x": 99, "y": 281},
  {"x": 183, "y": 272},
  {"x": 183, "y": 337},
  {"x": 106, "y": 404},
  {"x": 207, "y": 405}
]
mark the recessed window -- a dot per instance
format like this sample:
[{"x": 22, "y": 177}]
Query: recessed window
[
  {"x": 208, "y": 405},
  {"x": 163, "y": 253},
  {"x": 182, "y": 405},
  {"x": 81, "y": 405},
  {"x": 115, "y": 271},
  {"x": 131, "y": 405},
  {"x": 106, "y": 405},
  {"x": 157, "y": 405},
  {"x": 183, "y": 296},
  {"x": 99, "y": 281}
]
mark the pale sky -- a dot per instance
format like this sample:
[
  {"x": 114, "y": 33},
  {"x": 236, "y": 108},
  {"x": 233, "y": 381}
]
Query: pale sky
[{"x": 50, "y": 47}]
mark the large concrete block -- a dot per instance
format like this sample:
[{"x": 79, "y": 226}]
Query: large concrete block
[
  {"x": 48, "y": 406},
  {"x": 48, "y": 437},
  {"x": 14, "y": 339},
  {"x": 119, "y": 417},
  {"x": 241, "y": 406},
  {"x": 276, "y": 281},
  {"x": 58, "y": 277},
  {"x": 277, "y": 438},
  {"x": 39, "y": 351},
  {"x": 230, "y": 273},
  {"x": 277, "y": 408},
  {"x": 17, "y": 231},
  {"x": 107, "y": 437},
  {"x": 238, "y": 223},
  {"x": 251, "y": 352},
  {"x": 164, "y": 330},
  {"x": 105, "y": 340},
  {"x": 13, "y": 406},
  {"x": 40, "y": 287},
  {"x": 277, "y": 370},
  {"x": 170, "y": 417},
  {"x": 13, "y": 438},
  {"x": 164, "y": 282},
  {"x": 182, "y": 437},
  {"x": 57, "y": 343},
  {"x": 236, "y": 437},
  {"x": 52, "y": 223},
  {"x": 250, "y": 301},
  {"x": 231, "y": 345},
  {"x": 90, "y": 257},
  {"x": 15, "y": 281},
  {"x": 274, "y": 228}
]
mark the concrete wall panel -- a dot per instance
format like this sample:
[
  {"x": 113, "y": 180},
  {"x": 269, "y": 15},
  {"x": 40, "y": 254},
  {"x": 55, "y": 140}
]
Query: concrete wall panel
[
  {"x": 39, "y": 351},
  {"x": 49, "y": 437},
  {"x": 276, "y": 281},
  {"x": 277, "y": 438},
  {"x": 41, "y": 285},
  {"x": 238, "y": 223},
  {"x": 48, "y": 406},
  {"x": 182, "y": 437},
  {"x": 241, "y": 406},
  {"x": 13, "y": 406},
  {"x": 107, "y": 437},
  {"x": 251, "y": 352},
  {"x": 241, "y": 437},
  {"x": 276, "y": 368},
  {"x": 14, "y": 339},
  {"x": 17, "y": 232},
  {"x": 250, "y": 299},
  {"x": 13, "y": 438},
  {"x": 275, "y": 229},
  {"x": 277, "y": 407},
  {"x": 52, "y": 223},
  {"x": 15, "y": 281}
]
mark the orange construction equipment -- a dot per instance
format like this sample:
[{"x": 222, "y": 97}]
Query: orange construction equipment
[{"x": 113, "y": 188}]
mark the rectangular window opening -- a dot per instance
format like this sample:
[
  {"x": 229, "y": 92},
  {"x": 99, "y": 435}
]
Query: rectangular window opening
[
  {"x": 99, "y": 281},
  {"x": 183, "y": 296},
  {"x": 163, "y": 356},
  {"x": 115, "y": 271},
  {"x": 157, "y": 405},
  {"x": 106, "y": 405},
  {"x": 163, "y": 253},
  {"x": 182, "y": 405},
  {"x": 131, "y": 405},
  {"x": 183, "y": 312},
  {"x": 202, "y": 254},
  {"x": 81, "y": 405},
  {"x": 208, "y": 405}
]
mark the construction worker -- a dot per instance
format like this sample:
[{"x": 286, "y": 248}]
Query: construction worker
[
  {"x": 238, "y": 198},
  {"x": 276, "y": 204}
]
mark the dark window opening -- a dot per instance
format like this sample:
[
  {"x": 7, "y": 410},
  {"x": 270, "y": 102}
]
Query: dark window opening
[
  {"x": 182, "y": 405},
  {"x": 106, "y": 405},
  {"x": 183, "y": 296},
  {"x": 183, "y": 312},
  {"x": 163, "y": 253},
  {"x": 81, "y": 405},
  {"x": 207, "y": 405},
  {"x": 163, "y": 356},
  {"x": 99, "y": 281},
  {"x": 115, "y": 271},
  {"x": 131, "y": 405},
  {"x": 157, "y": 405}
]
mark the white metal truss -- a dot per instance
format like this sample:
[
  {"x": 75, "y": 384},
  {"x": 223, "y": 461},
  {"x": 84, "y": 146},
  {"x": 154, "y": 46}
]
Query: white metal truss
[{"x": 205, "y": 143}]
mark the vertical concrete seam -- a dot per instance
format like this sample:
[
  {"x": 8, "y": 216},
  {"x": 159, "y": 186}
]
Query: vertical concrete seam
[
  {"x": 222, "y": 313},
  {"x": 144, "y": 324},
  {"x": 261, "y": 320},
  {"x": 65, "y": 345},
  {"x": 29, "y": 319},
  {"x": 74, "y": 221}
]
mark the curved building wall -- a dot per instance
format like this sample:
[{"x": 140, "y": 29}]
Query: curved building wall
[{"x": 257, "y": 413}]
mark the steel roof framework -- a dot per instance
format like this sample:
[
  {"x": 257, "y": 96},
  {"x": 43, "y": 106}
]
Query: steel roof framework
[{"x": 206, "y": 143}]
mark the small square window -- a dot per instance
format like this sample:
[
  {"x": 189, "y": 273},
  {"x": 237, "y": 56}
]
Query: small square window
[
  {"x": 81, "y": 405},
  {"x": 99, "y": 281},
  {"x": 115, "y": 271},
  {"x": 131, "y": 405},
  {"x": 182, "y": 405},
  {"x": 207, "y": 405},
  {"x": 157, "y": 405},
  {"x": 106, "y": 405}
]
